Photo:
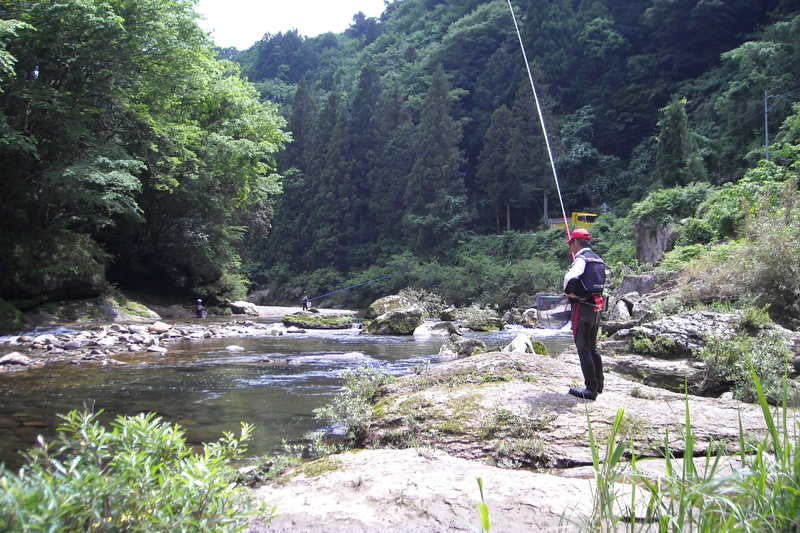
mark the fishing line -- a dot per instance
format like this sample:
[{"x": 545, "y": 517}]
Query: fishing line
[
  {"x": 353, "y": 287},
  {"x": 541, "y": 117}
]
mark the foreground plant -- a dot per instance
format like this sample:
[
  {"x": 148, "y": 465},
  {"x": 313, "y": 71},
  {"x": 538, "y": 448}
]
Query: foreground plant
[
  {"x": 710, "y": 493},
  {"x": 352, "y": 406},
  {"x": 139, "y": 476}
]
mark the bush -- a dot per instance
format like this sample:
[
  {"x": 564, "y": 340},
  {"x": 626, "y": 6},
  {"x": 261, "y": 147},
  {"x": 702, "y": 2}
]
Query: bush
[
  {"x": 140, "y": 476},
  {"x": 728, "y": 365},
  {"x": 352, "y": 407},
  {"x": 11, "y": 318}
]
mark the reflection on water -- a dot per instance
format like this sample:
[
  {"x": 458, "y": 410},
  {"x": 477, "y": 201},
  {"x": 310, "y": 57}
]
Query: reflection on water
[{"x": 274, "y": 383}]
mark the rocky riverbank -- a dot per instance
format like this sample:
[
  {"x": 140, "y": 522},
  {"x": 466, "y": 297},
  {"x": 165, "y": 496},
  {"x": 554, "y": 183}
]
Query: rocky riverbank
[
  {"x": 504, "y": 417},
  {"x": 82, "y": 342}
]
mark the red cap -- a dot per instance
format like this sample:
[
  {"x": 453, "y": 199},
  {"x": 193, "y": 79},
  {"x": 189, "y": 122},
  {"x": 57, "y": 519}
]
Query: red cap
[{"x": 580, "y": 233}]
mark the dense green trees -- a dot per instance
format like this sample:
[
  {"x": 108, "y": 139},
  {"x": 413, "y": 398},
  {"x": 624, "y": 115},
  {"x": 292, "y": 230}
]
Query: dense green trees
[
  {"x": 120, "y": 125},
  {"x": 635, "y": 95},
  {"x": 412, "y": 134}
]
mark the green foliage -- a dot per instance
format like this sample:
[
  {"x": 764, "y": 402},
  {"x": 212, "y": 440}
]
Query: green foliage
[
  {"x": 352, "y": 406},
  {"x": 729, "y": 362},
  {"x": 432, "y": 303},
  {"x": 680, "y": 256},
  {"x": 139, "y": 476},
  {"x": 11, "y": 318},
  {"x": 167, "y": 163},
  {"x": 702, "y": 494},
  {"x": 671, "y": 204}
]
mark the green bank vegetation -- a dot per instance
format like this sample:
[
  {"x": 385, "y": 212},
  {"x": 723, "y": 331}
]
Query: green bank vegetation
[{"x": 139, "y": 475}]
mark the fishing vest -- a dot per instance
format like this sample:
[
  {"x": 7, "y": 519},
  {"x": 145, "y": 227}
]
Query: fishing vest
[{"x": 593, "y": 279}]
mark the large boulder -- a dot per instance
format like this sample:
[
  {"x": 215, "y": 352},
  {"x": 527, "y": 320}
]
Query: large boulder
[
  {"x": 306, "y": 320},
  {"x": 386, "y": 304},
  {"x": 437, "y": 329},
  {"x": 653, "y": 240},
  {"x": 243, "y": 308},
  {"x": 525, "y": 344},
  {"x": 458, "y": 345},
  {"x": 397, "y": 322}
]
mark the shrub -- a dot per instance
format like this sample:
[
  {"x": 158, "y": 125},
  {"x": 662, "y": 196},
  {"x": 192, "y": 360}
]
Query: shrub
[
  {"x": 474, "y": 317},
  {"x": 352, "y": 407},
  {"x": 432, "y": 303},
  {"x": 729, "y": 363},
  {"x": 140, "y": 476}
]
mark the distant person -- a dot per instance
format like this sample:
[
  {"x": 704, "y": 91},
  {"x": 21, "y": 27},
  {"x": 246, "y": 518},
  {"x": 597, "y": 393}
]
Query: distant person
[
  {"x": 304, "y": 301},
  {"x": 201, "y": 309},
  {"x": 583, "y": 285}
]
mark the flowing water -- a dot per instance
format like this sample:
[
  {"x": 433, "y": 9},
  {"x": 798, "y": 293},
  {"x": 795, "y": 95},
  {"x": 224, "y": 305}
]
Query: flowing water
[{"x": 274, "y": 383}]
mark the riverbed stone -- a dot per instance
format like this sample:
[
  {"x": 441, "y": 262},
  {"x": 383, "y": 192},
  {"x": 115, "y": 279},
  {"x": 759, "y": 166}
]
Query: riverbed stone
[
  {"x": 523, "y": 343},
  {"x": 157, "y": 349},
  {"x": 386, "y": 304},
  {"x": 159, "y": 327},
  {"x": 15, "y": 358},
  {"x": 437, "y": 329},
  {"x": 458, "y": 345},
  {"x": 396, "y": 322},
  {"x": 306, "y": 320}
]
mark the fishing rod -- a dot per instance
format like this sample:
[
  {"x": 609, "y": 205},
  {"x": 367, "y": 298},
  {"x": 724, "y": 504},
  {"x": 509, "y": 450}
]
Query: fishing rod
[
  {"x": 541, "y": 117},
  {"x": 354, "y": 286}
]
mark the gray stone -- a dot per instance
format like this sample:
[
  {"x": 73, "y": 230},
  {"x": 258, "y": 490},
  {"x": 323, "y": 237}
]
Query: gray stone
[
  {"x": 641, "y": 284},
  {"x": 397, "y": 322},
  {"x": 15, "y": 358},
  {"x": 437, "y": 329},
  {"x": 158, "y": 327},
  {"x": 386, "y": 304}
]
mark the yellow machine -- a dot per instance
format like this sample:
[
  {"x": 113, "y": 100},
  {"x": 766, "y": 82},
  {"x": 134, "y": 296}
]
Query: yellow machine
[{"x": 579, "y": 220}]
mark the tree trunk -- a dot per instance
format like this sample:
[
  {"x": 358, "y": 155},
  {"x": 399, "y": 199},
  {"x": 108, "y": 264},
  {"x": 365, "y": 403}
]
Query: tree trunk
[
  {"x": 546, "y": 210},
  {"x": 497, "y": 214},
  {"x": 508, "y": 216}
]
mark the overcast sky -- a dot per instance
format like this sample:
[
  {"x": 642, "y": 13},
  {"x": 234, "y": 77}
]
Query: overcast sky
[{"x": 240, "y": 23}]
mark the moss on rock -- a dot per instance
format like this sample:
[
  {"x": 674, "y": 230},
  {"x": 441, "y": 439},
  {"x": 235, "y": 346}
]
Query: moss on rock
[
  {"x": 315, "y": 321},
  {"x": 11, "y": 318}
]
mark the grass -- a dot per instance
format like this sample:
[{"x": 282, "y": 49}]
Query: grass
[{"x": 706, "y": 494}]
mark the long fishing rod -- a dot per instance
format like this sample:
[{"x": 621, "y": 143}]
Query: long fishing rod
[
  {"x": 354, "y": 286},
  {"x": 541, "y": 117}
]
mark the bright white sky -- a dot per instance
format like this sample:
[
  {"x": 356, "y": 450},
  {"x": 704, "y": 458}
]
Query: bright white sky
[{"x": 241, "y": 23}]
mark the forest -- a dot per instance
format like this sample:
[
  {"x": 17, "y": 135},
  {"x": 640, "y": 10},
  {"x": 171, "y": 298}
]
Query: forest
[{"x": 137, "y": 155}]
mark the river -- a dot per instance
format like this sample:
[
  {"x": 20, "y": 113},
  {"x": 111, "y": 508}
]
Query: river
[{"x": 272, "y": 382}]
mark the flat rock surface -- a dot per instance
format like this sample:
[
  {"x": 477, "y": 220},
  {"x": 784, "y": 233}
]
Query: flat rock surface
[
  {"x": 435, "y": 432},
  {"x": 390, "y": 491}
]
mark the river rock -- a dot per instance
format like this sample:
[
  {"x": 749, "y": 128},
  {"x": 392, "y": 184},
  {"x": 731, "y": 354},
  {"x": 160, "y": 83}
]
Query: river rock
[
  {"x": 243, "y": 308},
  {"x": 457, "y": 345},
  {"x": 437, "y": 329},
  {"x": 523, "y": 343},
  {"x": 134, "y": 328},
  {"x": 397, "y": 322},
  {"x": 489, "y": 324},
  {"x": 76, "y": 344},
  {"x": 386, "y": 304},
  {"x": 45, "y": 339},
  {"x": 449, "y": 314},
  {"x": 530, "y": 318},
  {"x": 157, "y": 349},
  {"x": 15, "y": 358},
  {"x": 234, "y": 348},
  {"x": 104, "y": 342},
  {"x": 158, "y": 327},
  {"x": 306, "y": 320}
]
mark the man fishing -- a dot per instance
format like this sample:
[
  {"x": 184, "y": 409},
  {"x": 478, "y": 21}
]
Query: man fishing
[
  {"x": 200, "y": 309},
  {"x": 305, "y": 302},
  {"x": 583, "y": 285}
]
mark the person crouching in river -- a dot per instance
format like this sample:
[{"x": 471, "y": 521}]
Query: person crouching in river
[{"x": 583, "y": 285}]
